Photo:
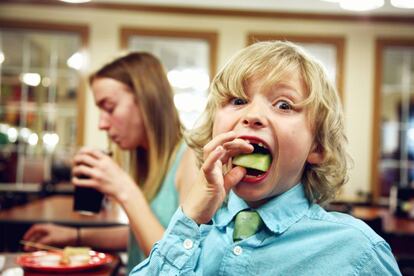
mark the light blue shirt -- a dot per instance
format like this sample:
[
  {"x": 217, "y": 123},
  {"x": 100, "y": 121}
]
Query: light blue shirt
[{"x": 299, "y": 239}]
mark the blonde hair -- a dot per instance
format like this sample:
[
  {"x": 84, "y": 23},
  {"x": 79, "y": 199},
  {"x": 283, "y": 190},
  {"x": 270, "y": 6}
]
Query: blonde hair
[
  {"x": 274, "y": 59},
  {"x": 146, "y": 78}
]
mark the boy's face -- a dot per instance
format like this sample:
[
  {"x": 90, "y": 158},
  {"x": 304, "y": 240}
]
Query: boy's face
[{"x": 268, "y": 117}]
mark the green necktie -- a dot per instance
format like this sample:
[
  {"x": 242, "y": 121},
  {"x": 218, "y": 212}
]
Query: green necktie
[{"x": 246, "y": 223}]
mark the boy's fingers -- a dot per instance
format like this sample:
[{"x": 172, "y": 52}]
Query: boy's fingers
[
  {"x": 238, "y": 144},
  {"x": 210, "y": 162},
  {"x": 217, "y": 141},
  {"x": 236, "y": 147},
  {"x": 233, "y": 177}
]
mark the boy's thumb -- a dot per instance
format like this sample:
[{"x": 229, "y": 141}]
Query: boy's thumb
[{"x": 233, "y": 177}]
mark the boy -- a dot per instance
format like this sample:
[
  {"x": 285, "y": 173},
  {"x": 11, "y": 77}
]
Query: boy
[{"x": 274, "y": 101}]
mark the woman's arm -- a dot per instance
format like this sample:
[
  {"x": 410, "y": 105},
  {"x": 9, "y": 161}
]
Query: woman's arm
[
  {"x": 104, "y": 238},
  {"x": 145, "y": 225},
  {"x": 186, "y": 174},
  {"x": 106, "y": 176}
]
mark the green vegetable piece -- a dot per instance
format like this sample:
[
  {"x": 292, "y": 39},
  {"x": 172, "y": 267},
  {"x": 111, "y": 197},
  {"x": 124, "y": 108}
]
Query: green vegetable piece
[{"x": 257, "y": 161}]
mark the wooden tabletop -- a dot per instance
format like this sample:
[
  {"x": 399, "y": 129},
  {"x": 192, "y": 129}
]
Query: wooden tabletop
[
  {"x": 390, "y": 223},
  {"x": 105, "y": 270},
  {"x": 58, "y": 209}
]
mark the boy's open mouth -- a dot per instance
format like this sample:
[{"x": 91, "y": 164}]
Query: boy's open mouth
[{"x": 256, "y": 163}]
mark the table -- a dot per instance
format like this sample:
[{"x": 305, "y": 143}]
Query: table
[
  {"x": 397, "y": 231},
  {"x": 26, "y": 187},
  {"x": 105, "y": 270},
  {"x": 53, "y": 209},
  {"x": 37, "y": 188},
  {"x": 58, "y": 209},
  {"x": 390, "y": 223}
]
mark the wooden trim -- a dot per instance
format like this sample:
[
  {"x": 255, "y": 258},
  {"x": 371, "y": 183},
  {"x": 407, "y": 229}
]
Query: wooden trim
[
  {"x": 83, "y": 32},
  {"x": 337, "y": 41},
  {"x": 376, "y": 121},
  {"x": 210, "y": 37},
  {"x": 396, "y": 41},
  {"x": 380, "y": 46},
  {"x": 224, "y": 12},
  {"x": 81, "y": 102}
]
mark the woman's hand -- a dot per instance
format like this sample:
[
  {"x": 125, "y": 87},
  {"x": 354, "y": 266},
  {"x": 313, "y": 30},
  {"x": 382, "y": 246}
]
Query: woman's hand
[
  {"x": 214, "y": 182},
  {"x": 50, "y": 234},
  {"x": 93, "y": 168}
]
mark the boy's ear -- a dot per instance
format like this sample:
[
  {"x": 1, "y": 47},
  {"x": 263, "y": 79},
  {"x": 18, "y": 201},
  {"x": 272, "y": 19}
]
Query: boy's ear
[{"x": 315, "y": 156}]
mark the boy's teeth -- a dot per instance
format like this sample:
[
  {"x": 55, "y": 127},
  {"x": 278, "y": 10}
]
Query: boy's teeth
[{"x": 260, "y": 144}]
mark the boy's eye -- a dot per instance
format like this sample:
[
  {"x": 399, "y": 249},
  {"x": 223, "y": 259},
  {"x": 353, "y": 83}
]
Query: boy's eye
[
  {"x": 238, "y": 101},
  {"x": 283, "y": 105}
]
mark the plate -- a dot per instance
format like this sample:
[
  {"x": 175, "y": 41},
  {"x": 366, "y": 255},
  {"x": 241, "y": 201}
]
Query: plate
[{"x": 50, "y": 261}]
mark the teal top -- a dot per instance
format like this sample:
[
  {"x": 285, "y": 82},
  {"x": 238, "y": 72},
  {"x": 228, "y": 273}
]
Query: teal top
[{"x": 164, "y": 205}]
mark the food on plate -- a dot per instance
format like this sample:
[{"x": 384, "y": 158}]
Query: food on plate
[
  {"x": 45, "y": 258},
  {"x": 75, "y": 255},
  {"x": 50, "y": 261}
]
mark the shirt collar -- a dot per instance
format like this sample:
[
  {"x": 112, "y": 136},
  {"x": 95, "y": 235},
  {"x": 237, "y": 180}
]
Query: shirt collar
[{"x": 278, "y": 214}]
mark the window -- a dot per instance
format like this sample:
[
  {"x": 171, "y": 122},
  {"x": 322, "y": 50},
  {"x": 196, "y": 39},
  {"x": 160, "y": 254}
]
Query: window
[
  {"x": 41, "y": 107},
  {"x": 190, "y": 61},
  {"x": 328, "y": 50},
  {"x": 393, "y": 126}
]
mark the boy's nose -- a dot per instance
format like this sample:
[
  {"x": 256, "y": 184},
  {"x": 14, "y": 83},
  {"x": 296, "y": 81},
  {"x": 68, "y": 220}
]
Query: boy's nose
[
  {"x": 255, "y": 114},
  {"x": 253, "y": 122},
  {"x": 254, "y": 118}
]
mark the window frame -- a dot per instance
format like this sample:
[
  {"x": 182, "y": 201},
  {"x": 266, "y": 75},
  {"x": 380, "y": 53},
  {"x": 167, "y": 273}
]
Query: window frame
[
  {"x": 210, "y": 36},
  {"x": 337, "y": 41},
  {"x": 82, "y": 31},
  {"x": 381, "y": 43}
]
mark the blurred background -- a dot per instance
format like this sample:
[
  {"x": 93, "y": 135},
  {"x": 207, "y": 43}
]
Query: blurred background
[{"x": 47, "y": 49}]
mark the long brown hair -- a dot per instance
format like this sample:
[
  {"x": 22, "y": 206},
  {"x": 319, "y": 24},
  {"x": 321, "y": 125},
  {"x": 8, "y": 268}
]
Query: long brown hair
[{"x": 145, "y": 76}]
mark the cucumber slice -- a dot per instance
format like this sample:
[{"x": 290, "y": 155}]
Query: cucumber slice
[{"x": 257, "y": 161}]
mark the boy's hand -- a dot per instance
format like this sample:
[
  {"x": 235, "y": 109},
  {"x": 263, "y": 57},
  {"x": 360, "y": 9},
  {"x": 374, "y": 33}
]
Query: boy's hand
[{"x": 213, "y": 184}]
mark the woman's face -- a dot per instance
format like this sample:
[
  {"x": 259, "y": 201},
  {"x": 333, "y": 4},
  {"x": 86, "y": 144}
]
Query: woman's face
[{"x": 119, "y": 115}]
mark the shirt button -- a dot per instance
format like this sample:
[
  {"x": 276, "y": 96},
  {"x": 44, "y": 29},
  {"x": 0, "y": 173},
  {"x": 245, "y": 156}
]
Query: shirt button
[
  {"x": 237, "y": 250},
  {"x": 188, "y": 244}
]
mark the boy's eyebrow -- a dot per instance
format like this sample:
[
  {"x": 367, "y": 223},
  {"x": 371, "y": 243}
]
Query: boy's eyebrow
[{"x": 288, "y": 86}]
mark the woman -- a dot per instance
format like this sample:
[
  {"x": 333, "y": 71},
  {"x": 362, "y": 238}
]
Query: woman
[{"x": 138, "y": 113}]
